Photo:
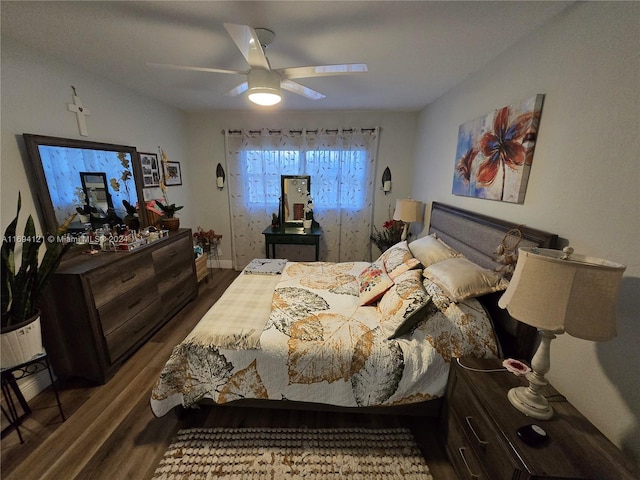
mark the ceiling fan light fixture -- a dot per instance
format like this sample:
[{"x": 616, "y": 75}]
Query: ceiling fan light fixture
[{"x": 264, "y": 87}]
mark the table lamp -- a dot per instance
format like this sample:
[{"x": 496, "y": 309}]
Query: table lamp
[
  {"x": 407, "y": 211},
  {"x": 556, "y": 292}
]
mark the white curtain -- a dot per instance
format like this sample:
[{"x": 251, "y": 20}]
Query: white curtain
[{"x": 341, "y": 164}]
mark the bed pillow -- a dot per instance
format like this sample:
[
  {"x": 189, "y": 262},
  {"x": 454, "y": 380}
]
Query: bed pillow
[
  {"x": 460, "y": 278},
  {"x": 373, "y": 282},
  {"x": 430, "y": 249},
  {"x": 398, "y": 259},
  {"x": 404, "y": 304}
]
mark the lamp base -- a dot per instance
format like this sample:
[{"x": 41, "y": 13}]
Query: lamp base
[{"x": 531, "y": 404}]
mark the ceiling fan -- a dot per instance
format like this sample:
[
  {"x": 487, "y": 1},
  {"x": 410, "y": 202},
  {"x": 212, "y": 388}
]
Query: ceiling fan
[{"x": 264, "y": 83}]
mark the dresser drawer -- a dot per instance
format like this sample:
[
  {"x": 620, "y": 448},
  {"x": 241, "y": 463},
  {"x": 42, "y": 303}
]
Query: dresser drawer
[
  {"x": 123, "y": 338},
  {"x": 119, "y": 310},
  {"x": 177, "y": 253},
  {"x": 109, "y": 283},
  {"x": 178, "y": 293},
  {"x": 462, "y": 456},
  {"x": 170, "y": 279},
  {"x": 481, "y": 436}
]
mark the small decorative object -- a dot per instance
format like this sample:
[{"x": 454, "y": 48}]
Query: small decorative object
[
  {"x": 80, "y": 111},
  {"x": 407, "y": 211},
  {"x": 494, "y": 153},
  {"x": 275, "y": 221},
  {"x": 508, "y": 252},
  {"x": 388, "y": 236},
  {"x": 516, "y": 367},
  {"x": 22, "y": 289},
  {"x": 386, "y": 181},
  {"x": 125, "y": 176},
  {"x": 559, "y": 292},
  {"x": 150, "y": 169},
  {"x": 220, "y": 176},
  {"x": 172, "y": 174}
]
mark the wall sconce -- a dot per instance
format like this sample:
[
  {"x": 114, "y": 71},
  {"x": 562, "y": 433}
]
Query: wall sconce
[
  {"x": 220, "y": 176},
  {"x": 386, "y": 181}
]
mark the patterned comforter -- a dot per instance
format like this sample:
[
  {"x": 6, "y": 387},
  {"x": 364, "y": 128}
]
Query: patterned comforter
[{"x": 319, "y": 345}]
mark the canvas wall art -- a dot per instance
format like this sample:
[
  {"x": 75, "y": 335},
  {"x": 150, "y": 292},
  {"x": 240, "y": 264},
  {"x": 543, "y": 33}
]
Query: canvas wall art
[{"x": 495, "y": 152}]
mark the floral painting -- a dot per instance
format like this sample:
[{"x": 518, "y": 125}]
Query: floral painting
[{"x": 495, "y": 152}]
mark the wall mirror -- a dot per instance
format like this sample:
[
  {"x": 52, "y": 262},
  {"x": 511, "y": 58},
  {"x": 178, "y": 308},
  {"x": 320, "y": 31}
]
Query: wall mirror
[
  {"x": 61, "y": 168},
  {"x": 293, "y": 192}
]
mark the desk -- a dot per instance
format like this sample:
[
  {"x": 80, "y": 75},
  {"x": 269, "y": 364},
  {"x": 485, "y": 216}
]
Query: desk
[
  {"x": 9, "y": 377},
  {"x": 292, "y": 236}
]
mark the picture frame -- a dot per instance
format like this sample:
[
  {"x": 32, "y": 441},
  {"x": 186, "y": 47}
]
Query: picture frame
[
  {"x": 150, "y": 169},
  {"x": 172, "y": 174}
]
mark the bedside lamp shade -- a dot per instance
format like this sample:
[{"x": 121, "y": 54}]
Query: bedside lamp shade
[
  {"x": 576, "y": 294},
  {"x": 559, "y": 292},
  {"x": 407, "y": 211}
]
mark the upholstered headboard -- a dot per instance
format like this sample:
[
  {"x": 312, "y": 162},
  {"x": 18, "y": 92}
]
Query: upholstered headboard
[{"x": 477, "y": 236}]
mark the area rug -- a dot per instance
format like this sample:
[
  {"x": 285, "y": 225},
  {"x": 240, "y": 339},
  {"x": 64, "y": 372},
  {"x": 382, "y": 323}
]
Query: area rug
[{"x": 293, "y": 453}]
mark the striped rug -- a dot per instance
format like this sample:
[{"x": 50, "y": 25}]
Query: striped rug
[{"x": 293, "y": 453}]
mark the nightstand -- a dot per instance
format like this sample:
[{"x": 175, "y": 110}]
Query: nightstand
[{"x": 479, "y": 428}]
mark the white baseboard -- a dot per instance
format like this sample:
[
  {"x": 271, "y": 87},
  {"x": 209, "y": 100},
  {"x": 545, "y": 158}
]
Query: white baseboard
[
  {"x": 34, "y": 384},
  {"x": 213, "y": 263}
]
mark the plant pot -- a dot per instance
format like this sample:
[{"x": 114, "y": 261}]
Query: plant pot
[
  {"x": 132, "y": 222},
  {"x": 171, "y": 224},
  {"x": 307, "y": 223},
  {"x": 21, "y": 343}
]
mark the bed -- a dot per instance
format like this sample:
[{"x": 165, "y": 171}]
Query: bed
[{"x": 367, "y": 337}]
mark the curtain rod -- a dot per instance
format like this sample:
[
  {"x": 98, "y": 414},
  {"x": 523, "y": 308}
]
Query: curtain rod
[{"x": 299, "y": 131}]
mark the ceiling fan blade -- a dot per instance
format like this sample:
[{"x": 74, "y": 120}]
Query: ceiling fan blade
[
  {"x": 301, "y": 90},
  {"x": 243, "y": 87},
  {"x": 247, "y": 41},
  {"x": 195, "y": 69},
  {"x": 323, "y": 70}
]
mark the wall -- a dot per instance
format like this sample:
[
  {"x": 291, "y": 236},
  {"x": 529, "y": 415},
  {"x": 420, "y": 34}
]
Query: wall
[
  {"x": 583, "y": 185},
  {"x": 206, "y": 149},
  {"x": 35, "y": 93}
]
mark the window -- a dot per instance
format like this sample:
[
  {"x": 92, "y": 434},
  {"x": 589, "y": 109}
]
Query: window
[{"x": 337, "y": 176}]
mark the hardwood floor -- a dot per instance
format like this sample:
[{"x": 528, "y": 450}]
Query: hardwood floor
[{"x": 111, "y": 433}]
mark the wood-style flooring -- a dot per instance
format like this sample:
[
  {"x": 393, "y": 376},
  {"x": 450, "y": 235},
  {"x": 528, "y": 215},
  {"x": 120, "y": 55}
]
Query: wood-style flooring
[{"x": 111, "y": 433}]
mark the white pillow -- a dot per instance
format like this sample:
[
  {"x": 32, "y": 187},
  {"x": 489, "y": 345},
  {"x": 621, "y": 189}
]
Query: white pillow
[
  {"x": 460, "y": 278},
  {"x": 431, "y": 249}
]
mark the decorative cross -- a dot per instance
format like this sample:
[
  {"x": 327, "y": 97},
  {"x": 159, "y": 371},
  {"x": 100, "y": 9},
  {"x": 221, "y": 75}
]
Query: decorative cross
[{"x": 80, "y": 111}]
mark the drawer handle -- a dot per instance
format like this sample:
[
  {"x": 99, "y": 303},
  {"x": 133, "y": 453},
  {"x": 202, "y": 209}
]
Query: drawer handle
[
  {"x": 480, "y": 441},
  {"x": 176, "y": 274},
  {"x": 131, "y": 305},
  {"x": 466, "y": 464},
  {"x": 173, "y": 253},
  {"x": 128, "y": 277}
]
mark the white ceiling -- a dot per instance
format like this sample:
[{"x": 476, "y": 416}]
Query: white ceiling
[{"x": 415, "y": 50}]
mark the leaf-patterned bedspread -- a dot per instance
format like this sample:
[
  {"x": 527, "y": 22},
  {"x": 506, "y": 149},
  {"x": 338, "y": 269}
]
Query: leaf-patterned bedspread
[{"x": 318, "y": 345}]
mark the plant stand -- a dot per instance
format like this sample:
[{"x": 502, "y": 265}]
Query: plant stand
[{"x": 9, "y": 382}]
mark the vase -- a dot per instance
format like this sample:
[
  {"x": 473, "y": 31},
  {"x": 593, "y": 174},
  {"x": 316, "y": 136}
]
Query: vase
[
  {"x": 21, "y": 343},
  {"x": 171, "y": 224},
  {"x": 307, "y": 223}
]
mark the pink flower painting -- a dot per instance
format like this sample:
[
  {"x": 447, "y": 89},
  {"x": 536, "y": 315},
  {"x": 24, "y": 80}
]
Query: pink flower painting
[{"x": 495, "y": 152}]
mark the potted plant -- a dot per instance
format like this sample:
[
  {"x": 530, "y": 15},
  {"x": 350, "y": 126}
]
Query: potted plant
[
  {"x": 131, "y": 218},
  {"x": 206, "y": 239},
  {"x": 389, "y": 236},
  {"x": 22, "y": 289},
  {"x": 169, "y": 220}
]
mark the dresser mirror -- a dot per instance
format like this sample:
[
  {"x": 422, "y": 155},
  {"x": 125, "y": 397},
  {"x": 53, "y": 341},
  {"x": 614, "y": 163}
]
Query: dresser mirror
[
  {"x": 67, "y": 170},
  {"x": 293, "y": 192}
]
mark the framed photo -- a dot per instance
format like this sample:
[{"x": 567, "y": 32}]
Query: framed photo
[
  {"x": 172, "y": 174},
  {"x": 150, "y": 169}
]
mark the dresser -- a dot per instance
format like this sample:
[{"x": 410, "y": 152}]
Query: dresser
[
  {"x": 100, "y": 308},
  {"x": 480, "y": 426}
]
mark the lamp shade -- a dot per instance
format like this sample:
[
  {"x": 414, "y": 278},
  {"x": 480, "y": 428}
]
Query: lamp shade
[
  {"x": 556, "y": 291},
  {"x": 408, "y": 210},
  {"x": 264, "y": 87}
]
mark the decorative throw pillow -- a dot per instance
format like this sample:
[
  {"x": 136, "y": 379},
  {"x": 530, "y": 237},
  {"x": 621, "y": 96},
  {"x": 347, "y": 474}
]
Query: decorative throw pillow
[
  {"x": 398, "y": 259},
  {"x": 460, "y": 278},
  {"x": 431, "y": 249},
  {"x": 404, "y": 304},
  {"x": 373, "y": 282}
]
